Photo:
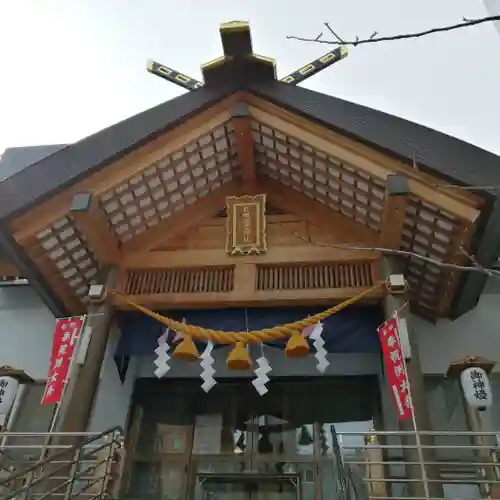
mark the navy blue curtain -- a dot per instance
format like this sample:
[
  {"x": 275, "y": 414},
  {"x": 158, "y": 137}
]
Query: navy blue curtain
[{"x": 352, "y": 330}]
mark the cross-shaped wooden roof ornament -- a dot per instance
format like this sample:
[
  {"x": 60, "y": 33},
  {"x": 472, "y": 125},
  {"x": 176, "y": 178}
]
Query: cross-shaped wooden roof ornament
[{"x": 239, "y": 59}]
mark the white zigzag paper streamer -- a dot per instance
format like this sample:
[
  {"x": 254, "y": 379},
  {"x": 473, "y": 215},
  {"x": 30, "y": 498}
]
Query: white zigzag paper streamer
[
  {"x": 318, "y": 343},
  {"x": 208, "y": 372},
  {"x": 163, "y": 357},
  {"x": 260, "y": 383}
]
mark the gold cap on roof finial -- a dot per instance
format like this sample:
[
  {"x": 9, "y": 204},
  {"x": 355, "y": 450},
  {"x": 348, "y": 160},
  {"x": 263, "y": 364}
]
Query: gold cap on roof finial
[{"x": 235, "y": 26}]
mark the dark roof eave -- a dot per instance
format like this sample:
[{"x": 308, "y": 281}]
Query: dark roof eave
[
  {"x": 453, "y": 160},
  {"x": 443, "y": 155},
  {"x": 447, "y": 157},
  {"x": 33, "y": 185},
  {"x": 471, "y": 285}
]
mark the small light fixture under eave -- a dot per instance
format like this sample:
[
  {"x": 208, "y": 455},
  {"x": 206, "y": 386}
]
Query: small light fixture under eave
[
  {"x": 13, "y": 281},
  {"x": 96, "y": 293},
  {"x": 81, "y": 202},
  {"x": 396, "y": 284}
]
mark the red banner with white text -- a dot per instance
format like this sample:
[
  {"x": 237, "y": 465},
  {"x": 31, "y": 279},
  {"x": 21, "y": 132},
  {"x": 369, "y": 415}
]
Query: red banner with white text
[
  {"x": 395, "y": 368},
  {"x": 66, "y": 334}
]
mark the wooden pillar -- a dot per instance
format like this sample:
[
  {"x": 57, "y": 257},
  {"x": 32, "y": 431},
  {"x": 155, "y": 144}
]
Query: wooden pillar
[
  {"x": 396, "y": 302},
  {"x": 84, "y": 382}
]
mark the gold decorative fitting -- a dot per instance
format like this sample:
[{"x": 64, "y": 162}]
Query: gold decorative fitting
[
  {"x": 371, "y": 438},
  {"x": 246, "y": 225},
  {"x": 234, "y": 26}
]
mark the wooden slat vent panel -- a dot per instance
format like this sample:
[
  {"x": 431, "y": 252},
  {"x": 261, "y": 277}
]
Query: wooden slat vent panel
[
  {"x": 187, "y": 280},
  {"x": 314, "y": 276}
]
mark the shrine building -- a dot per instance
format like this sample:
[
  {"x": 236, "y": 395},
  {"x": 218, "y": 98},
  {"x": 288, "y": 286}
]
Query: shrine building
[{"x": 186, "y": 236}]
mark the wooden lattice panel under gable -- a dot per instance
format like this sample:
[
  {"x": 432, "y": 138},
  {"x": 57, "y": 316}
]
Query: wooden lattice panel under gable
[
  {"x": 430, "y": 232},
  {"x": 172, "y": 183},
  {"x": 68, "y": 250},
  {"x": 343, "y": 187}
]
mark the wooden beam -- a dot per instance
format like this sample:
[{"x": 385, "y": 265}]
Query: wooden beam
[
  {"x": 8, "y": 269},
  {"x": 272, "y": 298},
  {"x": 332, "y": 222},
  {"x": 44, "y": 214},
  {"x": 179, "y": 222},
  {"x": 394, "y": 303},
  {"x": 217, "y": 257},
  {"x": 93, "y": 224},
  {"x": 242, "y": 126},
  {"x": 245, "y": 278},
  {"x": 85, "y": 380},
  {"x": 464, "y": 206},
  {"x": 393, "y": 219}
]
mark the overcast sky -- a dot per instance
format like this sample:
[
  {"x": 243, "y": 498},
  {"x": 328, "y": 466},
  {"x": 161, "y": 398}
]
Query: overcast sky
[{"x": 70, "y": 68}]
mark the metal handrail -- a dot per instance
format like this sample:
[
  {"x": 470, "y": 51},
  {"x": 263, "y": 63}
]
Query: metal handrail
[
  {"x": 89, "y": 439},
  {"x": 398, "y": 477},
  {"x": 376, "y": 465},
  {"x": 74, "y": 470}
]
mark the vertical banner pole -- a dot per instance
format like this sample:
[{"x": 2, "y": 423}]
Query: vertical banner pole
[
  {"x": 57, "y": 408},
  {"x": 418, "y": 442},
  {"x": 71, "y": 369},
  {"x": 396, "y": 366}
]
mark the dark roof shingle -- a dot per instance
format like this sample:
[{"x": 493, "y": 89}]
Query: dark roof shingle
[
  {"x": 444, "y": 155},
  {"x": 13, "y": 160},
  {"x": 68, "y": 165}
]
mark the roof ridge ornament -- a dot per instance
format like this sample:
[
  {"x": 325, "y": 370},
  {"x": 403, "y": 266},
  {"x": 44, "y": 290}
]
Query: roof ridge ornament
[{"x": 238, "y": 57}]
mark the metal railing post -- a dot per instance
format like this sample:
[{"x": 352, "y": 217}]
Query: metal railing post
[
  {"x": 72, "y": 474},
  {"x": 56, "y": 474},
  {"x": 363, "y": 469}
]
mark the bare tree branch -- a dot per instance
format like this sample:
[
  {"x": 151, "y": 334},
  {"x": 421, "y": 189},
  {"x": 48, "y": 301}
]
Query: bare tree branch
[
  {"x": 476, "y": 268},
  {"x": 374, "y": 38}
]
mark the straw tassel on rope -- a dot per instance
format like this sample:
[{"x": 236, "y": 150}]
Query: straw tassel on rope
[
  {"x": 186, "y": 350},
  {"x": 239, "y": 358}
]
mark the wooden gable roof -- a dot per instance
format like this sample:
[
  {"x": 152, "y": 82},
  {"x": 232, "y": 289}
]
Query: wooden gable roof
[{"x": 168, "y": 167}]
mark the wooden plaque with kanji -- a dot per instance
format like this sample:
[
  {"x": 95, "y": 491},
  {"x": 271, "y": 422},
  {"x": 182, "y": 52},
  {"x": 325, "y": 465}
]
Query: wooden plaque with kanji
[{"x": 246, "y": 225}]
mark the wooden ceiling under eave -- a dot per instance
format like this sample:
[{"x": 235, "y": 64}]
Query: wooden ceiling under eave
[{"x": 349, "y": 193}]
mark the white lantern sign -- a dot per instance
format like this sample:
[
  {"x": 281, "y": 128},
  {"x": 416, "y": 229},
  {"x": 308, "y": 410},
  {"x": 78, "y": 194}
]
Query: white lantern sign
[
  {"x": 8, "y": 390},
  {"x": 476, "y": 388}
]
